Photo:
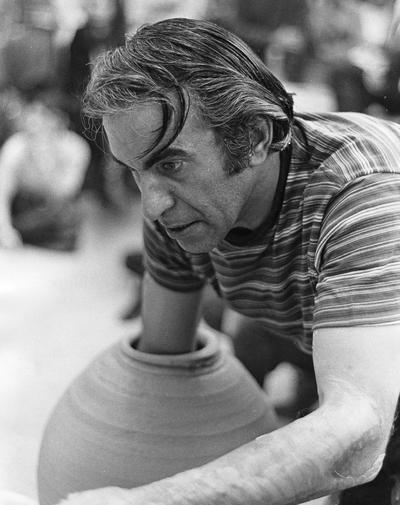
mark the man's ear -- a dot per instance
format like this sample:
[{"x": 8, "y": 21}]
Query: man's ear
[{"x": 261, "y": 138}]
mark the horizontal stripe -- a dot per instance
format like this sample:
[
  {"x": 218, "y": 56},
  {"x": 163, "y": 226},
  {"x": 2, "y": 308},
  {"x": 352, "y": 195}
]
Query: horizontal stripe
[{"x": 333, "y": 256}]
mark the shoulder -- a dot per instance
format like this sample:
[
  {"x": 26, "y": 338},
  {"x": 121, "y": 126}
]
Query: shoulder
[
  {"x": 74, "y": 139},
  {"x": 342, "y": 147},
  {"x": 332, "y": 130},
  {"x": 75, "y": 144},
  {"x": 16, "y": 141},
  {"x": 15, "y": 147}
]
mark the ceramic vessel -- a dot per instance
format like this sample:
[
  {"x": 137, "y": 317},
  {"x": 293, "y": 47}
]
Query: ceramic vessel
[{"x": 132, "y": 418}]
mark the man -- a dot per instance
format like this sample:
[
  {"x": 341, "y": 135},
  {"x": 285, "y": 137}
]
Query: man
[{"x": 296, "y": 222}]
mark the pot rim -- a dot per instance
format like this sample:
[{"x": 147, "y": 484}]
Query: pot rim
[{"x": 208, "y": 353}]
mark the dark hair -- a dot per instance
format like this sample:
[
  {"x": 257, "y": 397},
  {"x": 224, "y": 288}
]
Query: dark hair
[{"x": 178, "y": 61}]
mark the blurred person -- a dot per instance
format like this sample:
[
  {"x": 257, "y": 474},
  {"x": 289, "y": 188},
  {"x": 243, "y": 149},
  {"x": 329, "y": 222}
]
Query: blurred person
[
  {"x": 336, "y": 28},
  {"x": 362, "y": 69},
  {"x": 27, "y": 51},
  {"x": 140, "y": 12},
  {"x": 394, "y": 29},
  {"x": 377, "y": 59},
  {"x": 294, "y": 219},
  {"x": 9, "y": 110},
  {"x": 102, "y": 26},
  {"x": 276, "y": 30},
  {"x": 42, "y": 168}
]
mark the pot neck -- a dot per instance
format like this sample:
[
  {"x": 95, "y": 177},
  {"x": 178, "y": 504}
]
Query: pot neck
[{"x": 208, "y": 352}]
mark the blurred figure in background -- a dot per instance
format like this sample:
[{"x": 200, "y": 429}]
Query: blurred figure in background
[
  {"x": 27, "y": 51},
  {"x": 276, "y": 30},
  {"x": 139, "y": 12},
  {"x": 336, "y": 29},
  {"x": 102, "y": 27},
  {"x": 394, "y": 32},
  {"x": 42, "y": 168},
  {"x": 9, "y": 110},
  {"x": 362, "y": 65}
]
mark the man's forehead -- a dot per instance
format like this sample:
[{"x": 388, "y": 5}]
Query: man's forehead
[
  {"x": 144, "y": 119},
  {"x": 144, "y": 122},
  {"x": 135, "y": 134}
]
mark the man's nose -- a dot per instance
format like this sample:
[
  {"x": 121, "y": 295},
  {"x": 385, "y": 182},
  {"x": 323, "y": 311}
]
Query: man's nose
[{"x": 156, "y": 196}]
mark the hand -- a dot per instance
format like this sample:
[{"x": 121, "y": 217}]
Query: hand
[{"x": 102, "y": 496}]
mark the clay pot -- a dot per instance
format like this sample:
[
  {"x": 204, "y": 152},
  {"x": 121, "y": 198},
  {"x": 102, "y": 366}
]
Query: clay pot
[{"x": 132, "y": 418}]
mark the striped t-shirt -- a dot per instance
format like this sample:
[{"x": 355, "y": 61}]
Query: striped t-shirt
[{"x": 329, "y": 255}]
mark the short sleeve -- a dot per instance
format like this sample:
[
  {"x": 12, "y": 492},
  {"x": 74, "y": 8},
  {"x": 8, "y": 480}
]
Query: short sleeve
[
  {"x": 358, "y": 256},
  {"x": 167, "y": 262}
]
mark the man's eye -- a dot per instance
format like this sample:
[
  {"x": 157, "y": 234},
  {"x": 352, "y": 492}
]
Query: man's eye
[{"x": 170, "y": 167}]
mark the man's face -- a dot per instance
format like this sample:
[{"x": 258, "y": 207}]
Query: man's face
[{"x": 185, "y": 188}]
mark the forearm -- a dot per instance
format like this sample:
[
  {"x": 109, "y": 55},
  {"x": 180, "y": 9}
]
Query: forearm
[
  {"x": 331, "y": 449},
  {"x": 169, "y": 319}
]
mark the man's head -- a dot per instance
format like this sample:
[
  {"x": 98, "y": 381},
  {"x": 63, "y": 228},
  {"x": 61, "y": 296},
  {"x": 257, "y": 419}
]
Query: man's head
[
  {"x": 181, "y": 63},
  {"x": 198, "y": 119}
]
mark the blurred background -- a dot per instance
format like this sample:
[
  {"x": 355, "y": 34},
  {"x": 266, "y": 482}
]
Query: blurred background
[{"x": 70, "y": 227}]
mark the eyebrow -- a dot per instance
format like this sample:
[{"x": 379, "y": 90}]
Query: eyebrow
[
  {"x": 156, "y": 157},
  {"x": 165, "y": 153}
]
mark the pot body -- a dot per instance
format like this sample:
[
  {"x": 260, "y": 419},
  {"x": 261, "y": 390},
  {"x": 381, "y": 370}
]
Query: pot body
[{"x": 132, "y": 418}]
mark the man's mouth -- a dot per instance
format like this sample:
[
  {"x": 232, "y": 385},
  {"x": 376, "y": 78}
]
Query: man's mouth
[{"x": 179, "y": 228}]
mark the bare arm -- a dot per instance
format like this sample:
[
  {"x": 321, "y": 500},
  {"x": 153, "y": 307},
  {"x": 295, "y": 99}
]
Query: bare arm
[
  {"x": 169, "y": 319},
  {"x": 73, "y": 165},
  {"x": 340, "y": 445}
]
